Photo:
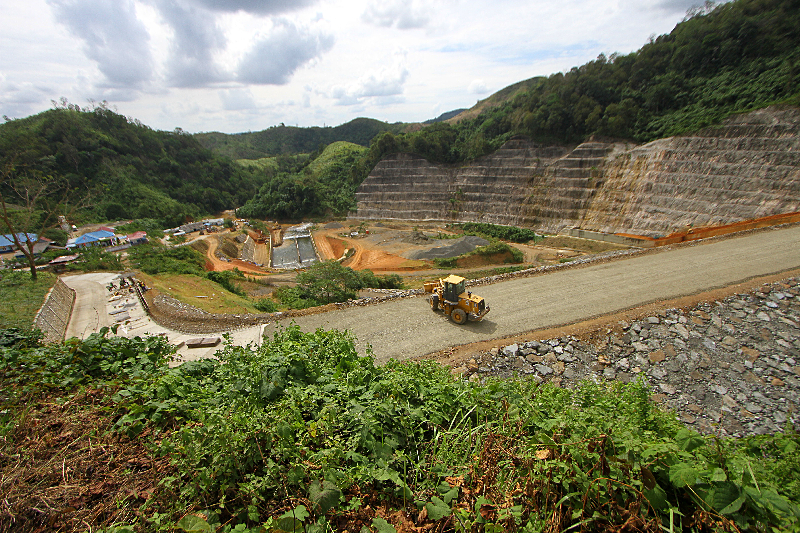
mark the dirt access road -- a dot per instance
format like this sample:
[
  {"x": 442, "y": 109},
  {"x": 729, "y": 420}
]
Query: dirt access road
[{"x": 408, "y": 328}]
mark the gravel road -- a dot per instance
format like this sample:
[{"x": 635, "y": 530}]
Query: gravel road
[{"x": 408, "y": 328}]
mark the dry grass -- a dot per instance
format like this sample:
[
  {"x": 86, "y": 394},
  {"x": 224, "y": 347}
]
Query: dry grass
[
  {"x": 581, "y": 245},
  {"x": 63, "y": 470}
]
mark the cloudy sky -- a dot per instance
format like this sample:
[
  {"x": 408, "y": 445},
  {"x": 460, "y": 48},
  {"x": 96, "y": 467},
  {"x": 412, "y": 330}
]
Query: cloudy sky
[{"x": 239, "y": 65}]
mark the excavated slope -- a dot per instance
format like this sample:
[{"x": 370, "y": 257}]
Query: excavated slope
[
  {"x": 490, "y": 189},
  {"x": 747, "y": 168}
]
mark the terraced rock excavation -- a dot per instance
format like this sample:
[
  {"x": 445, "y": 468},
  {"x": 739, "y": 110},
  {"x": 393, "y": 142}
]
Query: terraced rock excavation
[{"x": 747, "y": 168}]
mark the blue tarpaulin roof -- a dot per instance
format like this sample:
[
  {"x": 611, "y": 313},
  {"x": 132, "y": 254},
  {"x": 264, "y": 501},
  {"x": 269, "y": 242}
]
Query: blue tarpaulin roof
[
  {"x": 93, "y": 236},
  {"x": 8, "y": 239}
]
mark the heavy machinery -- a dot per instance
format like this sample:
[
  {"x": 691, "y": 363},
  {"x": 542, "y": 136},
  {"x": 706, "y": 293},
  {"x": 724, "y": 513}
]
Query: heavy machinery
[{"x": 450, "y": 295}]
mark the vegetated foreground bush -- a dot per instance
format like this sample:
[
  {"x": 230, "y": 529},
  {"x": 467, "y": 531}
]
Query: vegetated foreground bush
[
  {"x": 304, "y": 434},
  {"x": 330, "y": 281},
  {"x": 506, "y": 233},
  {"x": 492, "y": 249}
]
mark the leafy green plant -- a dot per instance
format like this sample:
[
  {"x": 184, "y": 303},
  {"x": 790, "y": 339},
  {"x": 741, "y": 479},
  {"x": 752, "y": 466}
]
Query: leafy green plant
[
  {"x": 506, "y": 233},
  {"x": 493, "y": 248},
  {"x": 265, "y": 305},
  {"x": 22, "y": 297},
  {"x": 226, "y": 280},
  {"x": 96, "y": 258},
  {"x": 294, "y": 298},
  {"x": 304, "y": 434},
  {"x": 330, "y": 281},
  {"x": 156, "y": 258}
]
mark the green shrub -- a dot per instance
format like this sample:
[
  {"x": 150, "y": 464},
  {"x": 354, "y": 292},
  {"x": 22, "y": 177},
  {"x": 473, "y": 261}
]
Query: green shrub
[
  {"x": 156, "y": 258},
  {"x": 294, "y": 298},
  {"x": 22, "y": 296},
  {"x": 389, "y": 281},
  {"x": 446, "y": 262},
  {"x": 496, "y": 247},
  {"x": 96, "y": 258},
  {"x": 266, "y": 305},
  {"x": 152, "y": 226},
  {"x": 303, "y": 433},
  {"x": 225, "y": 279},
  {"x": 506, "y": 233}
]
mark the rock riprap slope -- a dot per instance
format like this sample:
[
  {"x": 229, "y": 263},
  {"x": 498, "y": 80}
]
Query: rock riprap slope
[
  {"x": 747, "y": 168},
  {"x": 730, "y": 367}
]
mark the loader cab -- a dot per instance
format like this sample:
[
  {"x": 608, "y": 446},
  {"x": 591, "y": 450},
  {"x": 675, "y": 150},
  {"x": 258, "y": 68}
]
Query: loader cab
[{"x": 453, "y": 287}]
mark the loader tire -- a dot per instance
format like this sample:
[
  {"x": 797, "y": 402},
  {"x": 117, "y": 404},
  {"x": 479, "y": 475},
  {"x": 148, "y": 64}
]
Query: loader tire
[
  {"x": 459, "y": 316},
  {"x": 434, "y": 302}
]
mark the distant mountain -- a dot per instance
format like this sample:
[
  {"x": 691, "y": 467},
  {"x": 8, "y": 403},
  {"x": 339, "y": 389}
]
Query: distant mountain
[
  {"x": 445, "y": 116},
  {"x": 291, "y": 140},
  {"x": 497, "y": 99}
]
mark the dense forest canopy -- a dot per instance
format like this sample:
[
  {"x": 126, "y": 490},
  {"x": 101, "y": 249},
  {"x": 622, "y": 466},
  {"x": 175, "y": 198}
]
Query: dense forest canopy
[
  {"x": 134, "y": 171},
  {"x": 290, "y": 140},
  {"x": 723, "y": 59}
]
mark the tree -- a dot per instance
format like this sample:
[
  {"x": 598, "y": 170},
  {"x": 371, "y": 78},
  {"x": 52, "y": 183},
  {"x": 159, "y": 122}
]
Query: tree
[
  {"x": 329, "y": 281},
  {"x": 31, "y": 204}
]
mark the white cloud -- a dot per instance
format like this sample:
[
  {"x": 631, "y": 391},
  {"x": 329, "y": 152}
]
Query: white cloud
[
  {"x": 113, "y": 38},
  {"x": 237, "y": 100},
  {"x": 196, "y": 37},
  {"x": 17, "y": 99},
  {"x": 119, "y": 42},
  {"x": 256, "y": 7},
  {"x": 401, "y": 14},
  {"x": 477, "y": 87},
  {"x": 384, "y": 86},
  {"x": 275, "y": 57}
]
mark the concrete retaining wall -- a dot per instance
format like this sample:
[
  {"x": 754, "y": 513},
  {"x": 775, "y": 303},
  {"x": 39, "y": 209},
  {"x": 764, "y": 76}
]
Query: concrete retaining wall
[{"x": 54, "y": 315}]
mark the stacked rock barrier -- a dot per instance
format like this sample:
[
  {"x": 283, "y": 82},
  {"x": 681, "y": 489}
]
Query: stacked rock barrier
[{"x": 53, "y": 317}]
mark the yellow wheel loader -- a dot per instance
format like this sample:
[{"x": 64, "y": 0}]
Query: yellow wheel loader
[{"x": 450, "y": 295}]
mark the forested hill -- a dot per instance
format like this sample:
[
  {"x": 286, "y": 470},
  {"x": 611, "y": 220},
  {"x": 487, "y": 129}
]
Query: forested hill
[
  {"x": 133, "y": 171},
  {"x": 722, "y": 59},
  {"x": 290, "y": 140}
]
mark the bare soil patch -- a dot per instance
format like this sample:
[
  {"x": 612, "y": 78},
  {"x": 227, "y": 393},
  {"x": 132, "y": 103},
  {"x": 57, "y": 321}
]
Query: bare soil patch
[
  {"x": 337, "y": 245},
  {"x": 580, "y": 245},
  {"x": 401, "y": 239}
]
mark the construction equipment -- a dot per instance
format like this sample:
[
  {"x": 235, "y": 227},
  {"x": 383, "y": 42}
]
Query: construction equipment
[{"x": 450, "y": 295}]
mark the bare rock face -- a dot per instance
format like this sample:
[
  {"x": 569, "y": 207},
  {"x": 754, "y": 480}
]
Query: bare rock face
[
  {"x": 747, "y": 168},
  {"x": 491, "y": 189}
]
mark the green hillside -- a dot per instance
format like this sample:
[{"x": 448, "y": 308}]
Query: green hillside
[
  {"x": 290, "y": 140},
  {"x": 132, "y": 170},
  {"x": 724, "y": 59},
  {"x": 497, "y": 99},
  {"x": 325, "y": 184}
]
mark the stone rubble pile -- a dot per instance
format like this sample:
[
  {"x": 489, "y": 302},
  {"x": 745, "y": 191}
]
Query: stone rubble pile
[{"x": 730, "y": 367}]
